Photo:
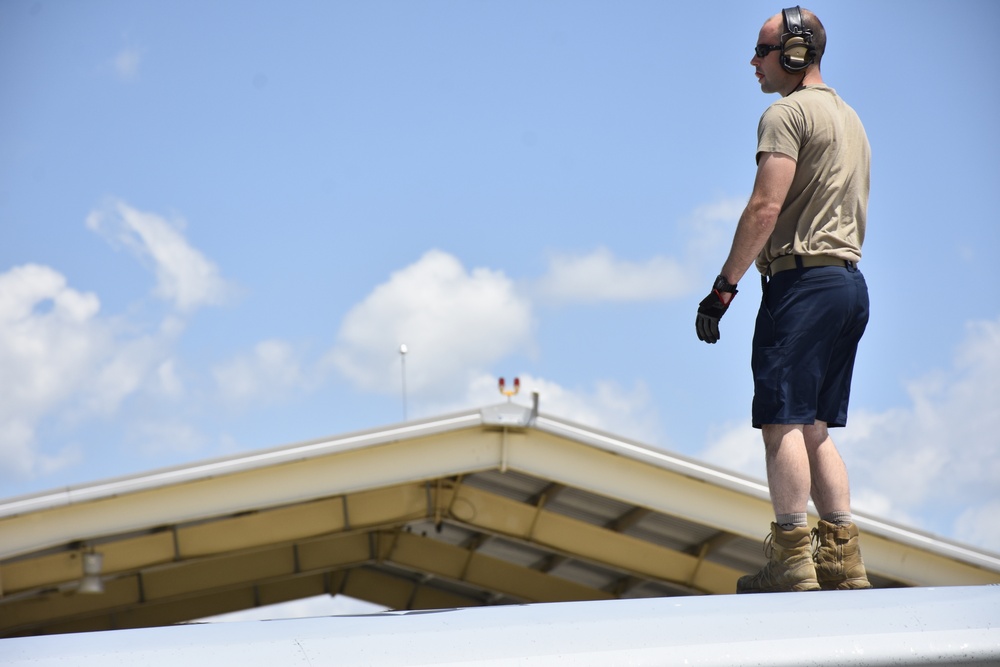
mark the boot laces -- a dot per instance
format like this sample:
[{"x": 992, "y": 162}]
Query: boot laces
[{"x": 769, "y": 546}]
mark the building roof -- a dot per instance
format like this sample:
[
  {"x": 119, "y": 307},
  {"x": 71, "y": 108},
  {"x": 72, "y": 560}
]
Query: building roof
[{"x": 492, "y": 506}]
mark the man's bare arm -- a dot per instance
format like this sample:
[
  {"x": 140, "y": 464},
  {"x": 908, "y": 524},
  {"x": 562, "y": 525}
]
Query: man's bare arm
[{"x": 774, "y": 177}]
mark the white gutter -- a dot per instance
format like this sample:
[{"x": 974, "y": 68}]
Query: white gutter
[{"x": 227, "y": 466}]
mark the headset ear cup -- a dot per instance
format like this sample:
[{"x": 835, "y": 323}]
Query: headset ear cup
[{"x": 796, "y": 54}]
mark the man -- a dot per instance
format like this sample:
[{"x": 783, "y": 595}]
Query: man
[{"x": 803, "y": 226}]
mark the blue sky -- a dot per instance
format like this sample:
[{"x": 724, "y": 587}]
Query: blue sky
[{"x": 219, "y": 221}]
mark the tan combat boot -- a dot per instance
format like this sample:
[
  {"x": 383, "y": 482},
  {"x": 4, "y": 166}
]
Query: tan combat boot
[
  {"x": 838, "y": 557},
  {"x": 790, "y": 566}
]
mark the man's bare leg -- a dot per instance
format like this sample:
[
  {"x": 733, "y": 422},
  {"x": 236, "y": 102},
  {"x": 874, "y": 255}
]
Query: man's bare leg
[
  {"x": 804, "y": 461},
  {"x": 831, "y": 490},
  {"x": 788, "y": 470},
  {"x": 790, "y": 564}
]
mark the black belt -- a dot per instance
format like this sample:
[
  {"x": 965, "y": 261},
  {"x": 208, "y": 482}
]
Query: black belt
[{"x": 786, "y": 262}]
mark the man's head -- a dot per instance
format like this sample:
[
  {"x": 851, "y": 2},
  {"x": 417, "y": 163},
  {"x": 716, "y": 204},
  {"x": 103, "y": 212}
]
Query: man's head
[{"x": 776, "y": 76}]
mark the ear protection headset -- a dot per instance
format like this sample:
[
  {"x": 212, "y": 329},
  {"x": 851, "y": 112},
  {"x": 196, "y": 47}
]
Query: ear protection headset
[{"x": 797, "y": 52}]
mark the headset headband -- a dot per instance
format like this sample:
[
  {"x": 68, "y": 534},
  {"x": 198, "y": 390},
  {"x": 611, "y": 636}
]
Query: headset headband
[{"x": 793, "y": 22}]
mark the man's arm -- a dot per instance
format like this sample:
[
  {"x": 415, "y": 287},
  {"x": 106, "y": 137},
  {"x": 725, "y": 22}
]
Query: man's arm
[
  {"x": 774, "y": 177},
  {"x": 775, "y": 172}
]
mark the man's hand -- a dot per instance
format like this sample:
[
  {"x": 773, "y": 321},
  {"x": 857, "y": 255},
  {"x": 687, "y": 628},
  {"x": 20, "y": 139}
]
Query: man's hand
[{"x": 712, "y": 308}]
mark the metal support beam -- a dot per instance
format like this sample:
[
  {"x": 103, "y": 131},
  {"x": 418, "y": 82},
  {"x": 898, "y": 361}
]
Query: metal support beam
[
  {"x": 566, "y": 535},
  {"x": 629, "y": 519}
]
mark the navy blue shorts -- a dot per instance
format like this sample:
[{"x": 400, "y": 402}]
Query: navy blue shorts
[{"x": 804, "y": 345}]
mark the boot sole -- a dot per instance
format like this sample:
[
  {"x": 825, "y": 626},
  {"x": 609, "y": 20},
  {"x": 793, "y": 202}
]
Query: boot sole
[
  {"x": 799, "y": 588},
  {"x": 850, "y": 585}
]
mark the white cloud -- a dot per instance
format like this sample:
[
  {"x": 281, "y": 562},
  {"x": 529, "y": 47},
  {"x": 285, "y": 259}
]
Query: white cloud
[
  {"x": 184, "y": 275},
  {"x": 599, "y": 276},
  {"x": 63, "y": 361},
  {"x": 41, "y": 348},
  {"x": 48, "y": 339},
  {"x": 122, "y": 372},
  {"x": 156, "y": 436},
  {"x": 454, "y": 323},
  {"x": 56, "y": 352},
  {"x": 978, "y": 525},
  {"x": 167, "y": 381},
  {"x": 19, "y": 457},
  {"x": 270, "y": 371},
  {"x": 736, "y": 447},
  {"x": 941, "y": 454}
]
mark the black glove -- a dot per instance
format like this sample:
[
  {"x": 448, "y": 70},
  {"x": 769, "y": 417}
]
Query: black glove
[{"x": 711, "y": 309}]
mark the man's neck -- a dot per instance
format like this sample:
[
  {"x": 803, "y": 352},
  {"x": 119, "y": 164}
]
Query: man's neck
[{"x": 811, "y": 77}]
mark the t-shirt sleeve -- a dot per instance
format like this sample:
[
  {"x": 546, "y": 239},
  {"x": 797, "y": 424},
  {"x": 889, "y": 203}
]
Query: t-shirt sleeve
[{"x": 780, "y": 131}]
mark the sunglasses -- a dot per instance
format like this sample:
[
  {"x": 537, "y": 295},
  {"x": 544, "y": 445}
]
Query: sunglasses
[{"x": 763, "y": 49}]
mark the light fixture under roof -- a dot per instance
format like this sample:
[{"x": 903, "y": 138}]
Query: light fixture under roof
[{"x": 91, "y": 582}]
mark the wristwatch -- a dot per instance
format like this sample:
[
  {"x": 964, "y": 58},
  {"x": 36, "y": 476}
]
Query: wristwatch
[{"x": 723, "y": 285}]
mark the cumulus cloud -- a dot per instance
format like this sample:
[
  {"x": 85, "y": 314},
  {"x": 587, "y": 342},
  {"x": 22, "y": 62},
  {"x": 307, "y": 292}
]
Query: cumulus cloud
[
  {"x": 736, "y": 447},
  {"x": 937, "y": 457},
  {"x": 978, "y": 525},
  {"x": 271, "y": 370},
  {"x": 57, "y": 352},
  {"x": 942, "y": 449},
  {"x": 156, "y": 436},
  {"x": 600, "y": 276},
  {"x": 41, "y": 318},
  {"x": 63, "y": 361},
  {"x": 185, "y": 277},
  {"x": 168, "y": 384},
  {"x": 454, "y": 322}
]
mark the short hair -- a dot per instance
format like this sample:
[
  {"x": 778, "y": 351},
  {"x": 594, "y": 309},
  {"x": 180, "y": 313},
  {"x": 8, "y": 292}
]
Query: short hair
[{"x": 811, "y": 22}]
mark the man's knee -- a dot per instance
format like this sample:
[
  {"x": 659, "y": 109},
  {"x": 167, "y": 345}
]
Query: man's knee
[
  {"x": 781, "y": 437},
  {"x": 772, "y": 432},
  {"x": 816, "y": 434}
]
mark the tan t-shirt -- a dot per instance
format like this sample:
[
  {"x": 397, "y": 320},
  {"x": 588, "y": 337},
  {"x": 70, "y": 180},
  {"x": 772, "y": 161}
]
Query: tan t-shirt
[{"x": 826, "y": 207}]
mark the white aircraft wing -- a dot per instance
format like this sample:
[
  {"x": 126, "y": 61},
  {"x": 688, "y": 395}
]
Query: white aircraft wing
[{"x": 907, "y": 626}]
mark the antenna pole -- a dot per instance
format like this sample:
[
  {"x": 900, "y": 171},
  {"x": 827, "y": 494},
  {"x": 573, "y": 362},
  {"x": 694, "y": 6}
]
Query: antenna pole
[{"x": 402, "y": 364}]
